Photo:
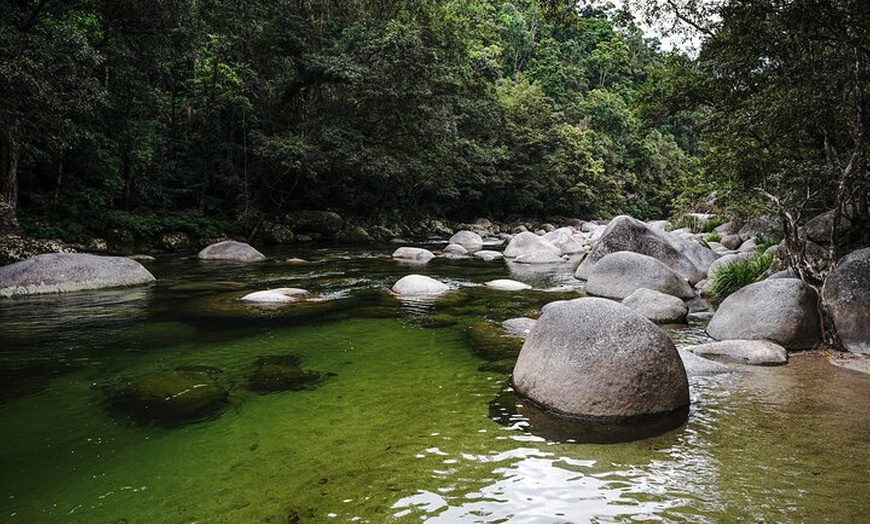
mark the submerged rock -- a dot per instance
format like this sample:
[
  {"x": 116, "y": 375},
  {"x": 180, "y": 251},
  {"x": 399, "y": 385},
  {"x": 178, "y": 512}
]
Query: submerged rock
[
  {"x": 281, "y": 373},
  {"x": 171, "y": 398},
  {"x": 231, "y": 251},
  {"x": 592, "y": 357},
  {"x": 67, "y": 272},
  {"x": 699, "y": 366},
  {"x": 520, "y": 326},
  {"x": 495, "y": 345}
]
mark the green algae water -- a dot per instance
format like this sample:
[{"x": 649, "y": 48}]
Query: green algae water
[{"x": 401, "y": 425}]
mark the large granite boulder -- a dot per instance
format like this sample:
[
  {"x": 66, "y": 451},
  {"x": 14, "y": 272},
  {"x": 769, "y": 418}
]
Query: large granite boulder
[
  {"x": 618, "y": 275},
  {"x": 819, "y": 228},
  {"x": 531, "y": 245},
  {"x": 66, "y": 272},
  {"x": 625, "y": 233},
  {"x": 231, "y": 251},
  {"x": 847, "y": 297},
  {"x": 413, "y": 254},
  {"x": 657, "y": 306},
  {"x": 416, "y": 285},
  {"x": 592, "y": 357},
  {"x": 749, "y": 352},
  {"x": 766, "y": 226},
  {"x": 470, "y": 240},
  {"x": 784, "y": 311}
]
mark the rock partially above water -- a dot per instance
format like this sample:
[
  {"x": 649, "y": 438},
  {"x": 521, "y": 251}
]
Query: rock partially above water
[
  {"x": 784, "y": 311},
  {"x": 506, "y": 284},
  {"x": 231, "y": 251},
  {"x": 618, "y": 275},
  {"x": 470, "y": 240},
  {"x": 276, "y": 296},
  {"x": 67, "y": 272},
  {"x": 592, "y": 357},
  {"x": 698, "y": 366},
  {"x": 657, "y": 306},
  {"x": 750, "y": 352},
  {"x": 413, "y": 254},
  {"x": 416, "y": 285}
]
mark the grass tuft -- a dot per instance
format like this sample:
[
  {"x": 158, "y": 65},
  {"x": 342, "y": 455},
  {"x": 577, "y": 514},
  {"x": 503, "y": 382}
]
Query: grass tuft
[{"x": 738, "y": 274}]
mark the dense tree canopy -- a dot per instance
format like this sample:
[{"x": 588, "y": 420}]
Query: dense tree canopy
[{"x": 164, "y": 113}]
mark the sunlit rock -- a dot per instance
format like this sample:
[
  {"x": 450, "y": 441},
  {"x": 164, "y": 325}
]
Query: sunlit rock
[
  {"x": 67, "y": 272},
  {"x": 413, "y": 254},
  {"x": 592, "y": 357},
  {"x": 276, "y": 296},
  {"x": 506, "y": 284},
  {"x": 230, "y": 250},
  {"x": 470, "y": 240},
  {"x": 489, "y": 255},
  {"x": 416, "y": 285},
  {"x": 529, "y": 244}
]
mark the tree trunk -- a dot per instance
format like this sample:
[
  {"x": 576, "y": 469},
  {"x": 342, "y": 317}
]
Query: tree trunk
[{"x": 8, "y": 184}]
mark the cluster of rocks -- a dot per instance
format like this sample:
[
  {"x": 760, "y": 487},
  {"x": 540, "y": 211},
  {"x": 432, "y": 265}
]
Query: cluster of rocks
[
  {"x": 195, "y": 393},
  {"x": 599, "y": 357}
]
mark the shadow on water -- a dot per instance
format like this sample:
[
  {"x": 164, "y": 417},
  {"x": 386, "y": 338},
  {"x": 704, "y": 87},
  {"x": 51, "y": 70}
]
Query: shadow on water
[{"x": 515, "y": 412}]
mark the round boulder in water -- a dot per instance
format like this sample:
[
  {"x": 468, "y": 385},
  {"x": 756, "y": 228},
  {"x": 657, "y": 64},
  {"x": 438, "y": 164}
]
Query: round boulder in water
[
  {"x": 419, "y": 285},
  {"x": 847, "y": 296},
  {"x": 276, "y": 296},
  {"x": 413, "y": 254},
  {"x": 67, "y": 272},
  {"x": 592, "y": 358},
  {"x": 231, "y": 251}
]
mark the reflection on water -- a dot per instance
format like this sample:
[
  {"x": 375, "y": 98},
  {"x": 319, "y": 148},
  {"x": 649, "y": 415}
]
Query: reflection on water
[{"x": 403, "y": 430}]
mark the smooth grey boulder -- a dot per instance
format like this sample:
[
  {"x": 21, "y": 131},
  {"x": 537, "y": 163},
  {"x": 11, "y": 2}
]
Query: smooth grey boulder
[
  {"x": 765, "y": 226},
  {"x": 618, "y": 275},
  {"x": 783, "y": 310},
  {"x": 750, "y": 352},
  {"x": 413, "y": 254},
  {"x": 566, "y": 240},
  {"x": 419, "y": 285},
  {"x": 625, "y": 233},
  {"x": 470, "y": 240},
  {"x": 847, "y": 297},
  {"x": 592, "y": 357},
  {"x": 276, "y": 296},
  {"x": 527, "y": 243},
  {"x": 657, "y": 306},
  {"x": 506, "y": 284},
  {"x": 698, "y": 366},
  {"x": 454, "y": 251},
  {"x": 67, "y": 272},
  {"x": 488, "y": 255},
  {"x": 230, "y": 250},
  {"x": 731, "y": 241}
]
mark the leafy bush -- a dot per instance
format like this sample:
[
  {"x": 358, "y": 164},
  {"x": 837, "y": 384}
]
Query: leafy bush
[
  {"x": 731, "y": 277},
  {"x": 712, "y": 223},
  {"x": 713, "y": 237},
  {"x": 762, "y": 243}
]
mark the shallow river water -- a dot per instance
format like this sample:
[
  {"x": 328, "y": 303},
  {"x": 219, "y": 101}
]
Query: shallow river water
[{"x": 401, "y": 426}]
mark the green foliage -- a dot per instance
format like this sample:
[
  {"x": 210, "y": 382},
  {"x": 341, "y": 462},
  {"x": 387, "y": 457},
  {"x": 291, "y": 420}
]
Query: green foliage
[
  {"x": 713, "y": 237},
  {"x": 731, "y": 277},
  {"x": 224, "y": 109}
]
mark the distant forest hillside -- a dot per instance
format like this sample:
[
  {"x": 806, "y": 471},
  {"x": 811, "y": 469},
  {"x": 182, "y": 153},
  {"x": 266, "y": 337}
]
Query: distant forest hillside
[{"x": 159, "y": 115}]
